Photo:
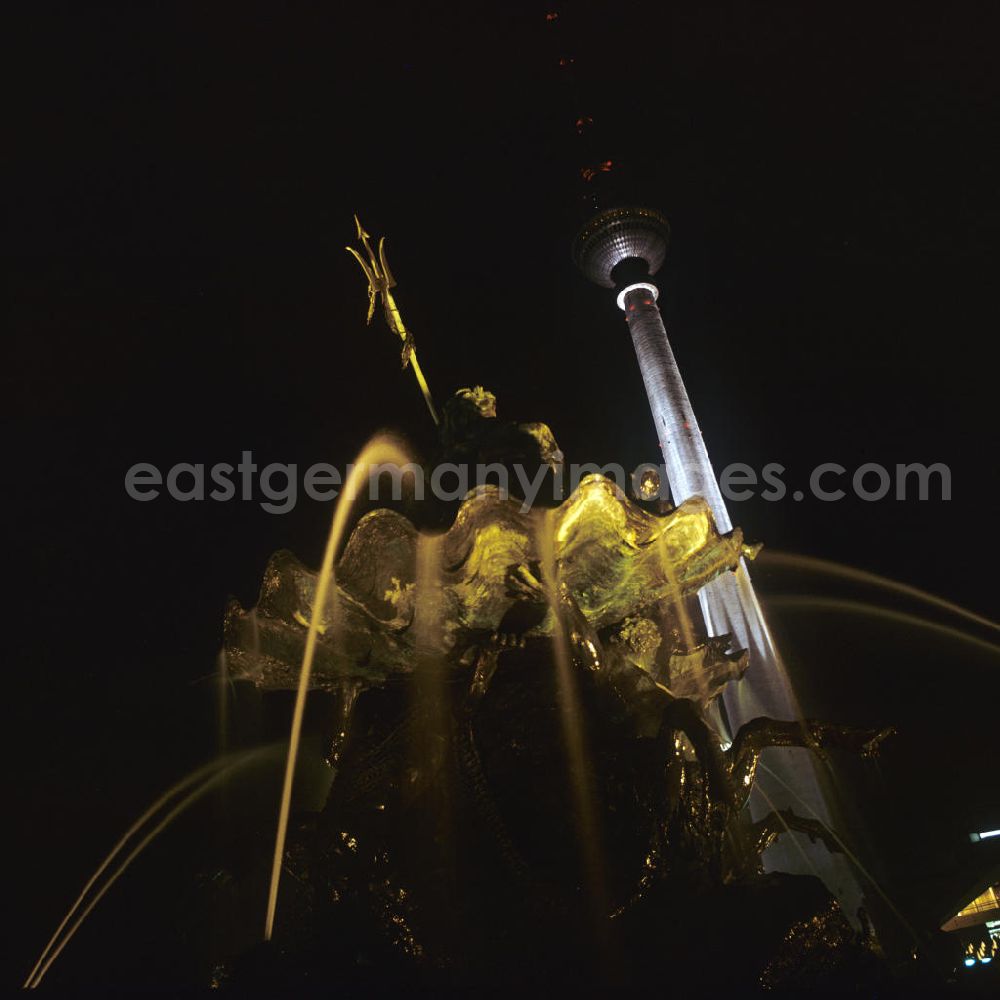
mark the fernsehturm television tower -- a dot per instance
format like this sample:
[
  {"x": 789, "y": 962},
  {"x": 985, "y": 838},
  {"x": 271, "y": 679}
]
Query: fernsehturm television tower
[{"x": 621, "y": 249}]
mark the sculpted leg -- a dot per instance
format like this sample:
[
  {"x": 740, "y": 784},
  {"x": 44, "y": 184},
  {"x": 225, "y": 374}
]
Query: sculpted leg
[
  {"x": 683, "y": 715},
  {"x": 760, "y": 733}
]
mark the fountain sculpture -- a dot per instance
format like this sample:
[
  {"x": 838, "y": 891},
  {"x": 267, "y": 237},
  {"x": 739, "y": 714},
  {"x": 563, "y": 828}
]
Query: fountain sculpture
[{"x": 528, "y": 787}]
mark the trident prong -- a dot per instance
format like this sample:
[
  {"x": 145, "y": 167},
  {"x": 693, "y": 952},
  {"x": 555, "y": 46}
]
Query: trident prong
[
  {"x": 380, "y": 282},
  {"x": 390, "y": 281}
]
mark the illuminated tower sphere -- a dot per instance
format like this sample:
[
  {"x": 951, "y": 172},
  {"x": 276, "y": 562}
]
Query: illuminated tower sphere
[{"x": 621, "y": 249}]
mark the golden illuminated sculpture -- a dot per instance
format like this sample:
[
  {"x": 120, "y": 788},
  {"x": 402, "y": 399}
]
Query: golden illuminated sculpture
[
  {"x": 527, "y": 767},
  {"x": 531, "y": 783},
  {"x": 617, "y": 559},
  {"x": 445, "y": 643},
  {"x": 380, "y": 283}
]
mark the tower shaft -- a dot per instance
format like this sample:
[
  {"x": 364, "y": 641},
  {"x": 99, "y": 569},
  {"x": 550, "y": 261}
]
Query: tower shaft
[
  {"x": 688, "y": 467},
  {"x": 729, "y": 604}
]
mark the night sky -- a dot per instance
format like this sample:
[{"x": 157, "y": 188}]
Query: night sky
[{"x": 181, "y": 183}]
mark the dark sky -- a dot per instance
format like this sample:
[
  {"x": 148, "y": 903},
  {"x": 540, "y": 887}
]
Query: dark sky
[{"x": 182, "y": 180}]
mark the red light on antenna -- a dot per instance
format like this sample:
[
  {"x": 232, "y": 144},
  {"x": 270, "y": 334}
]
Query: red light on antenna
[
  {"x": 589, "y": 173},
  {"x": 552, "y": 16}
]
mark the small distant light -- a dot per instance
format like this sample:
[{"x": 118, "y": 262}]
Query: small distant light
[
  {"x": 970, "y": 962},
  {"x": 725, "y": 745},
  {"x": 986, "y": 960}
]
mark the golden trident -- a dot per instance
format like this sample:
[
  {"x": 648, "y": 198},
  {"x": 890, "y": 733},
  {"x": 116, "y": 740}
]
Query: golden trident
[{"x": 380, "y": 282}]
